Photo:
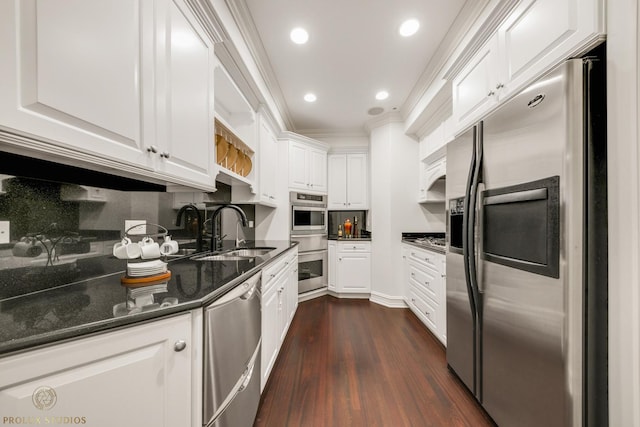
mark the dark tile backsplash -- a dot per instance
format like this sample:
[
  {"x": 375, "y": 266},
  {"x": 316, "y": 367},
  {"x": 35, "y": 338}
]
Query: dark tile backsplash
[
  {"x": 339, "y": 217},
  {"x": 53, "y": 241}
]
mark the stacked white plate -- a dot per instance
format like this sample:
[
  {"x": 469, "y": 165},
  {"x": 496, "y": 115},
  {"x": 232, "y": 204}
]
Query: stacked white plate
[{"x": 149, "y": 268}]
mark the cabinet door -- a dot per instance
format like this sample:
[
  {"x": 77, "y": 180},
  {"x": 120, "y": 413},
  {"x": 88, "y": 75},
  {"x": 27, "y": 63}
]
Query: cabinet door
[
  {"x": 132, "y": 377},
  {"x": 268, "y": 163},
  {"x": 332, "y": 259},
  {"x": 318, "y": 170},
  {"x": 292, "y": 291},
  {"x": 298, "y": 165},
  {"x": 474, "y": 89},
  {"x": 353, "y": 272},
  {"x": 270, "y": 336},
  {"x": 74, "y": 73},
  {"x": 185, "y": 62},
  {"x": 539, "y": 33},
  {"x": 337, "y": 178},
  {"x": 283, "y": 307},
  {"x": 356, "y": 183}
]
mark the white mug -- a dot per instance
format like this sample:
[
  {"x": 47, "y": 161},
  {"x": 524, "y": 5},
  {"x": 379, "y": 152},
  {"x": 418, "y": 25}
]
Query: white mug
[
  {"x": 126, "y": 250},
  {"x": 149, "y": 249},
  {"x": 169, "y": 247}
]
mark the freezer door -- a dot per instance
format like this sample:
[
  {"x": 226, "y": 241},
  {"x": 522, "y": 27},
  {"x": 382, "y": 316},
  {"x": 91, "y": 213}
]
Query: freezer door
[
  {"x": 461, "y": 344},
  {"x": 532, "y": 333}
]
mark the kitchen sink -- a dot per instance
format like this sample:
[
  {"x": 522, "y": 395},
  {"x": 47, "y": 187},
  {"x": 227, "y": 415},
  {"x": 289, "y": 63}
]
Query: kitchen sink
[
  {"x": 250, "y": 252},
  {"x": 240, "y": 254}
]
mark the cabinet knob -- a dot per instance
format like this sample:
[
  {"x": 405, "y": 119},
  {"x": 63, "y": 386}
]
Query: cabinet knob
[
  {"x": 426, "y": 283},
  {"x": 152, "y": 149},
  {"x": 339, "y": 259},
  {"x": 165, "y": 154},
  {"x": 491, "y": 93},
  {"x": 180, "y": 345},
  {"x": 499, "y": 86}
]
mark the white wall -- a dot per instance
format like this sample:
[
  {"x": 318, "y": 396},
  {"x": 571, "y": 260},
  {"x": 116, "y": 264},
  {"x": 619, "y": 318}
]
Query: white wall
[
  {"x": 394, "y": 206},
  {"x": 623, "y": 104}
]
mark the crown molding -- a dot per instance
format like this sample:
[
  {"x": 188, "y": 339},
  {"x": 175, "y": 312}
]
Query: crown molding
[
  {"x": 337, "y": 133},
  {"x": 209, "y": 19},
  {"x": 463, "y": 23},
  {"x": 241, "y": 15},
  {"x": 292, "y": 136},
  {"x": 497, "y": 13}
]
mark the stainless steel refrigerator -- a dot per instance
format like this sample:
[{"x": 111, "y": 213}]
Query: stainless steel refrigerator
[{"x": 527, "y": 252}]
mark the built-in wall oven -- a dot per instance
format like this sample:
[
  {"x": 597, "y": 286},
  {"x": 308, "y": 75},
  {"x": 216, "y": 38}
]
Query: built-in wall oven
[{"x": 309, "y": 228}]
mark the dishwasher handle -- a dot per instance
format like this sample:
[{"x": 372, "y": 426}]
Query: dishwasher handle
[
  {"x": 244, "y": 291},
  {"x": 239, "y": 387}
]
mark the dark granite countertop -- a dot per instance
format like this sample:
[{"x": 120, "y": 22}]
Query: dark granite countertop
[
  {"x": 410, "y": 238},
  {"x": 99, "y": 304}
]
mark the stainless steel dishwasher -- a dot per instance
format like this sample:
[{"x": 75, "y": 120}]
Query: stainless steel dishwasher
[{"x": 232, "y": 357}]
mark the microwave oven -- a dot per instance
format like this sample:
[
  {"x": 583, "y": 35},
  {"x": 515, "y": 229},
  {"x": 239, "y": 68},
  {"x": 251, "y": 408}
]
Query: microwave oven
[{"x": 308, "y": 212}]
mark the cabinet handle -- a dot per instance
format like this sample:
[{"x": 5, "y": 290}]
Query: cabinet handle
[
  {"x": 413, "y": 300},
  {"x": 165, "y": 154},
  {"x": 499, "y": 86},
  {"x": 491, "y": 93},
  {"x": 428, "y": 314},
  {"x": 152, "y": 149},
  {"x": 426, "y": 259},
  {"x": 427, "y": 283},
  {"x": 180, "y": 345}
]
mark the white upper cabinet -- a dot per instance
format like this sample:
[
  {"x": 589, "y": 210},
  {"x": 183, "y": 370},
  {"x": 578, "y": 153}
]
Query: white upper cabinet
[
  {"x": 125, "y": 84},
  {"x": 73, "y": 73},
  {"x": 537, "y": 35},
  {"x": 474, "y": 89},
  {"x": 348, "y": 179},
  {"x": 268, "y": 164},
  {"x": 184, "y": 100},
  {"x": 307, "y": 167}
]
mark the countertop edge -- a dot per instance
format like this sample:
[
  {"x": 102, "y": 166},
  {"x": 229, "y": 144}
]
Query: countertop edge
[
  {"x": 17, "y": 346},
  {"x": 426, "y": 248}
]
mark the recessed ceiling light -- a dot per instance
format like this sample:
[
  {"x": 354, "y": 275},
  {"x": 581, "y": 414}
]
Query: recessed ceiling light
[
  {"x": 310, "y": 97},
  {"x": 383, "y": 94},
  {"x": 409, "y": 27},
  {"x": 299, "y": 35}
]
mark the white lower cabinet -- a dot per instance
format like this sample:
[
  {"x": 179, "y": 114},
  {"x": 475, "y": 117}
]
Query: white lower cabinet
[
  {"x": 137, "y": 376},
  {"x": 350, "y": 268},
  {"x": 279, "y": 304},
  {"x": 425, "y": 288}
]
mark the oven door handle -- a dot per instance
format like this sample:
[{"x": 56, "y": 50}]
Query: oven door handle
[{"x": 294, "y": 236}]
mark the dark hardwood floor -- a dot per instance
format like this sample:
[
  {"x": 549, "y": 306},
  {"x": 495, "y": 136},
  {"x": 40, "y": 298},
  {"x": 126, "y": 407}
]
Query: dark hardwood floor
[{"x": 355, "y": 363}]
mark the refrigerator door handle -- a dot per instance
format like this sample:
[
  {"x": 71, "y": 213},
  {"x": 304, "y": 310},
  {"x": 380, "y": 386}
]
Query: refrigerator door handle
[
  {"x": 473, "y": 207},
  {"x": 466, "y": 225}
]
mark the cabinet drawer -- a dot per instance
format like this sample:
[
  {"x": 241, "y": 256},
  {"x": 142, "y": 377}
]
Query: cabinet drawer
[
  {"x": 354, "y": 247},
  {"x": 427, "y": 280},
  {"x": 424, "y": 309},
  {"x": 428, "y": 258},
  {"x": 271, "y": 273}
]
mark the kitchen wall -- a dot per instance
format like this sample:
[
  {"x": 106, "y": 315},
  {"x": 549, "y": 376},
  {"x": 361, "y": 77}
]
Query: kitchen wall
[{"x": 394, "y": 207}]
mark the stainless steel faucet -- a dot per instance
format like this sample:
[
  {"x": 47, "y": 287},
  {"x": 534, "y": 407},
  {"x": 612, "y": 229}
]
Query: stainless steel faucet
[
  {"x": 192, "y": 207},
  {"x": 216, "y": 241}
]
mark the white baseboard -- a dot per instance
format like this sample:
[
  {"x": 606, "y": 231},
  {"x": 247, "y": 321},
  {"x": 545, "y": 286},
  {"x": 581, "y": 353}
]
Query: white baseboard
[
  {"x": 349, "y": 295},
  {"x": 312, "y": 294},
  {"x": 388, "y": 300}
]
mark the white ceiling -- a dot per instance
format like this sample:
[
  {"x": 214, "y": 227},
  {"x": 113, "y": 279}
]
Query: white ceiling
[{"x": 354, "y": 50}]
